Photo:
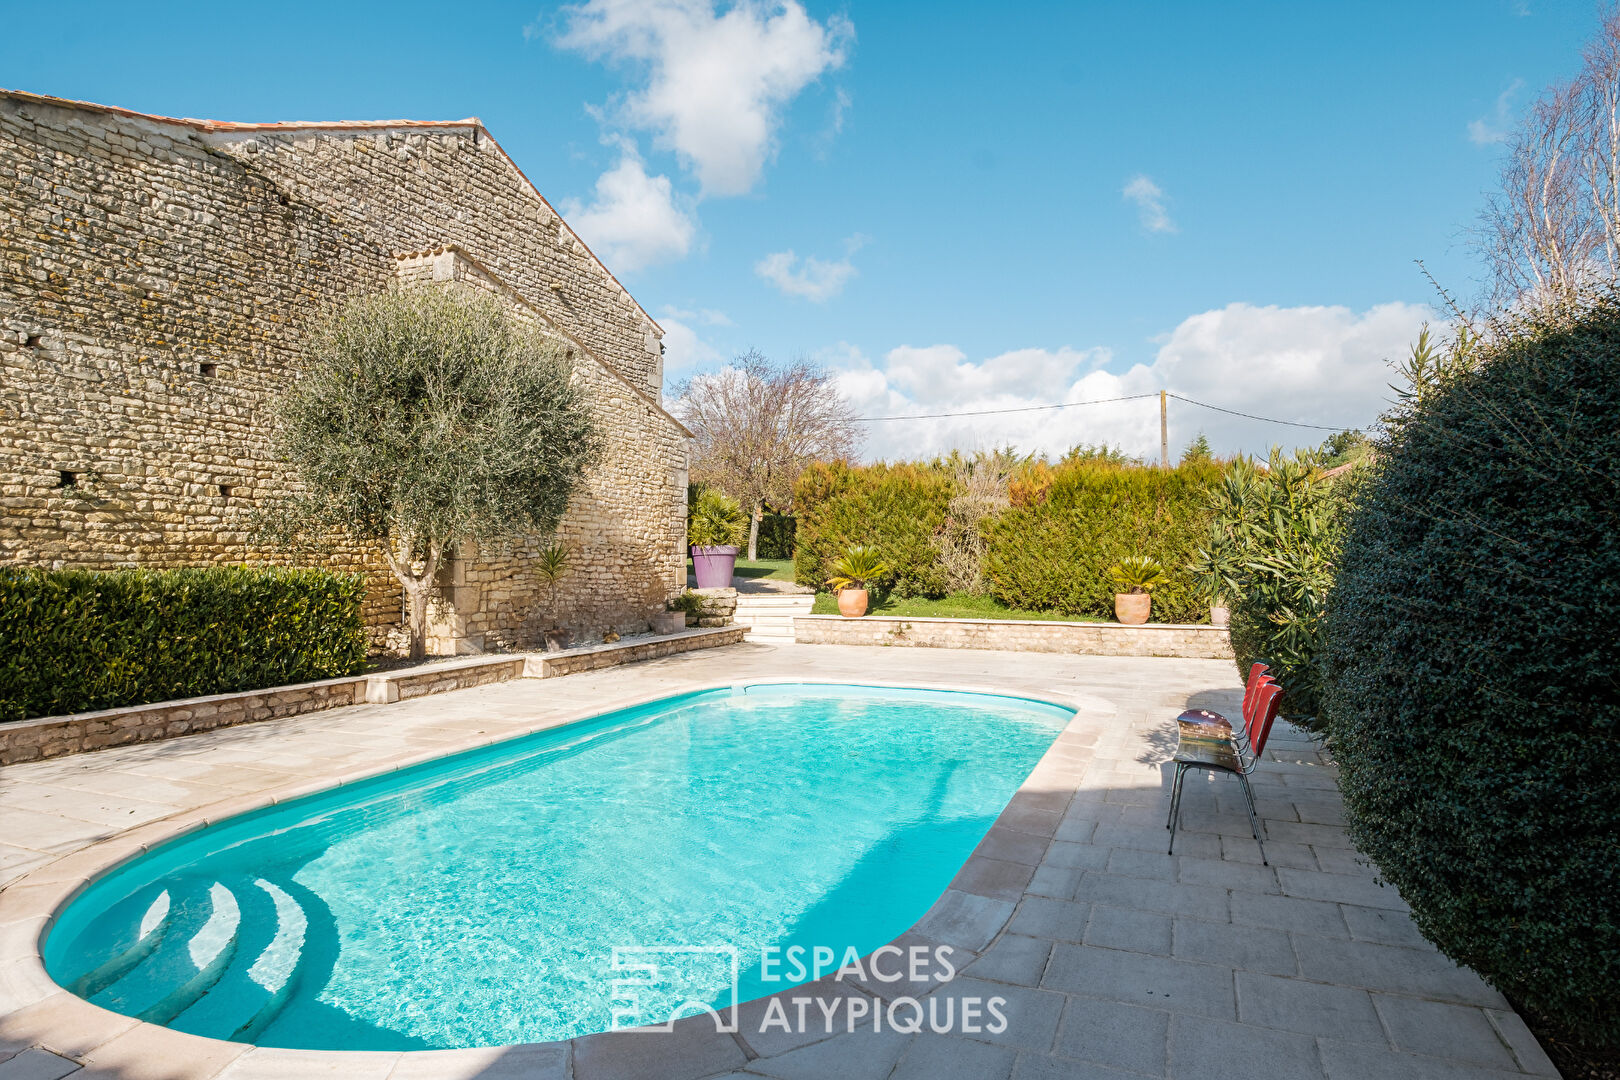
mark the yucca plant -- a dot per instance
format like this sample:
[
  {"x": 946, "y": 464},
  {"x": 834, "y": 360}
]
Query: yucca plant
[
  {"x": 855, "y": 568},
  {"x": 713, "y": 520},
  {"x": 1136, "y": 574},
  {"x": 552, "y": 566}
]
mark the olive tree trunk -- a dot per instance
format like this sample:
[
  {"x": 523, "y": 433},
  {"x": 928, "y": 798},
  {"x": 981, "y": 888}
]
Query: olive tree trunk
[{"x": 418, "y": 587}]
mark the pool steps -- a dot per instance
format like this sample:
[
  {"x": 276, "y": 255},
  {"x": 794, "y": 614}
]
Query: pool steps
[{"x": 215, "y": 958}]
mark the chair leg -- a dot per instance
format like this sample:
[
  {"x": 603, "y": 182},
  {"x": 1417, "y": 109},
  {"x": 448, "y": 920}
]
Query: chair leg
[
  {"x": 1175, "y": 806},
  {"x": 1254, "y": 817}
]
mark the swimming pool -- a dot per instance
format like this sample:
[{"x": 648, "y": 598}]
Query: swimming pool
[{"x": 477, "y": 900}]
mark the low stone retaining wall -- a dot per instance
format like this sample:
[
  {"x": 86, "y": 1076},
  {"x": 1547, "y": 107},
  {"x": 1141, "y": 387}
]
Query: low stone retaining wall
[
  {"x": 440, "y": 678},
  {"x": 1190, "y": 640},
  {"x": 54, "y": 736},
  {"x": 550, "y": 665}
]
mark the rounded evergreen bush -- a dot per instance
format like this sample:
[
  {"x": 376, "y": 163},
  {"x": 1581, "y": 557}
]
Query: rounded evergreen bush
[{"x": 1471, "y": 667}]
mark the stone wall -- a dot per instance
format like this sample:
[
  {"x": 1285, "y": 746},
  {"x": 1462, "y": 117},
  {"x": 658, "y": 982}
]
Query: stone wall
[
  {"x": 154, "y": 277},
  {"x": 56, "y": 736},
  {"x": 1092, "y": 639}
]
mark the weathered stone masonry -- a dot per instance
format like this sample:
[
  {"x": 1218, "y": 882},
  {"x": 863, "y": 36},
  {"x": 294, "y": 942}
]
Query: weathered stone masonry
[{"x": 154, "y": 277}]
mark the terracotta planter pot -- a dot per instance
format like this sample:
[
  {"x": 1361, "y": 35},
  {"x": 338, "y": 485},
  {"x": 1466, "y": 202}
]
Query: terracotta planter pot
[
  {"x": 1219, "y": 616},
  {"x": 1132, "y": 608},
  {"x": 852, "y": 603},
  {"x": 713, "y": 566},
  {"x": 557, "y": 639}
]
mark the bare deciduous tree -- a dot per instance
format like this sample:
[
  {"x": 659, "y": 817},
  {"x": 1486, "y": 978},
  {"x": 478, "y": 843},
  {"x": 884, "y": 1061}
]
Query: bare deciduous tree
[
  {"x": 1553, "y": 229},
  {"x": 757, "y": 424}
]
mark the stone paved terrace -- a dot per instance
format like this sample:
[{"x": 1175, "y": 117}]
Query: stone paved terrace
[{"x": 1116, "y": 960}]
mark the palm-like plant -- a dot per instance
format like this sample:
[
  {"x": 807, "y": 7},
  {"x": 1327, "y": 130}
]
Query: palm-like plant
[
  {"x": 855, "y": 568},
  {"x": 552, "y": 566},
  {"x": 1137, "y": 574},
  {"x": 715, "y": 521}
]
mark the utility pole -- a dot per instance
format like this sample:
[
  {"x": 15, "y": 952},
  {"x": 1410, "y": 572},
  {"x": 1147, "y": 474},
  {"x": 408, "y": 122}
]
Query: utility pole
[{"x": 1164, "y": 430}]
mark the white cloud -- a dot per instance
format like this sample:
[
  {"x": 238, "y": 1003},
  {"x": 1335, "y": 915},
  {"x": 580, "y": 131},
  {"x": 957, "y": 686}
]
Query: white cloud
[
  {"x": 1494, "y": 127},
  {"x": 704, "y": 316},
  {"x": 683, "y": 348},
  {"x": 715, "y": 81},
  {"x": 814, "y": 279},
  {"x": 1321, "y": 365},
  {"x": 632, "y": 221},
  {"x": 1149, "y": 200}
]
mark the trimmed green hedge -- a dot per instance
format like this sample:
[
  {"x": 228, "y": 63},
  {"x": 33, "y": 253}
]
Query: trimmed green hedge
[
  {"x": 1052, "y": 553},
  {"x": 897, "y": 509},
  {"x": 76, "y": 640},
  {"x": 776, "y": 536},
  {"x": 1473, "y": 669}
]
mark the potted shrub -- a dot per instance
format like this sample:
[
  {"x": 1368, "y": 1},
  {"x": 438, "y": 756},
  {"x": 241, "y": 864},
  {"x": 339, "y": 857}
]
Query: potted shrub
[
  {"x": 553, "y": 566},
  {"x": 1134, "y": 581},
  {"x": 686, "y": 607},
  {"x": 715, "y": 527},
  {"x": 851, "y": 572},
  {"x": 1214, "y": 565}
]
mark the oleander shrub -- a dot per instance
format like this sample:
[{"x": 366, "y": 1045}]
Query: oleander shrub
[
  {"x": 897, "y": 510},
  {"x": 1473, "y": 666},
  {"x": 1052, "y": 548},
  {"x": 77, "y": 640},
  {"x": 1269, "y": 552}
]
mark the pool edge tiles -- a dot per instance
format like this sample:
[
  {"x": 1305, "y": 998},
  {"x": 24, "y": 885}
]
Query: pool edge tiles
[{"x": 353, "y": 795}]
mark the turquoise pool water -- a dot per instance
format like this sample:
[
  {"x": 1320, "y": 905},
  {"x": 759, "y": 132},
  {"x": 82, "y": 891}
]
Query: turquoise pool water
[{"x": 477, "y": 900}]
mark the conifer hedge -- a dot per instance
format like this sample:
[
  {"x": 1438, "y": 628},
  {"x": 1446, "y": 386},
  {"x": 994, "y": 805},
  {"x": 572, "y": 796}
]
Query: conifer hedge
[
  {"x": 1052, "y": 552},
  {"x": 76, "y": 640},
  {"x": 896, "y": 509},
  {"x": 1473, "y": 667}
]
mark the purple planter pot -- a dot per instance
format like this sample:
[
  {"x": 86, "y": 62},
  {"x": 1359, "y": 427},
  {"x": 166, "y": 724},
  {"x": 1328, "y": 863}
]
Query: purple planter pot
[{"x": 713, "y": 566}]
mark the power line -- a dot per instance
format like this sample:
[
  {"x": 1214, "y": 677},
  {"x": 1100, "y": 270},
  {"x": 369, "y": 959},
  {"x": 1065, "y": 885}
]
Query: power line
[
  {"x": 992, "y": 412},
  {"x": 1098, "y": 401},
  {"x": 1251, "y": 416}
]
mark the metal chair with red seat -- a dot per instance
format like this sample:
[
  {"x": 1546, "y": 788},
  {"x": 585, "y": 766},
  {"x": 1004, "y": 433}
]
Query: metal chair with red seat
[
  {"x": 1257, "y": 678},
  {"x": 1205, "y": 746}
]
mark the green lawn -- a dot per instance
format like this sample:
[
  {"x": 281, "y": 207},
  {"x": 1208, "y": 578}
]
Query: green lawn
[
  {"x": 955, "y": 606},
  {"x": 771, "y": 569}
]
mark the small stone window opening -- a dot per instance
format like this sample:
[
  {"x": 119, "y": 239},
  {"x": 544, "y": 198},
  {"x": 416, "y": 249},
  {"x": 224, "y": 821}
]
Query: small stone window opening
[
  {"x": 32, "y": 342},
  {"x": 208, "y": 371},
  {"x": 66, "y": 479},
  {"x": 225, "y": 491}
]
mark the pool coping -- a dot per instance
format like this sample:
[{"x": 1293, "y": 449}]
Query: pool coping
[{"x": 970, "y": 913}]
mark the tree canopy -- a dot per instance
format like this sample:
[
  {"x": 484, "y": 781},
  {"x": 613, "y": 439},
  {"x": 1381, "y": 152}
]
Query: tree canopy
[
  {"x": 427, "y": 418},
  {"x": 756, "y": 425}
]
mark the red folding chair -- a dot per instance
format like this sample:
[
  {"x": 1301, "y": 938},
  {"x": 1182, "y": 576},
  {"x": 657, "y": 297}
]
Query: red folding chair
[{"x": 1205, "y": 746}]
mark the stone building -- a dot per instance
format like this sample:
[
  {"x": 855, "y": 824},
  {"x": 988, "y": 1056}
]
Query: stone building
[{"x": 155, "y": 274}]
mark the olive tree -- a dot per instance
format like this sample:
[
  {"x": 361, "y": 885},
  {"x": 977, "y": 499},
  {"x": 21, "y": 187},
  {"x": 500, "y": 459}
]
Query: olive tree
[{"x": 426, "y": 418}]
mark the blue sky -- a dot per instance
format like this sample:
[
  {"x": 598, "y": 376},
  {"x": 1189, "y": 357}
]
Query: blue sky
[{"x": 1007, "y": 205}]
